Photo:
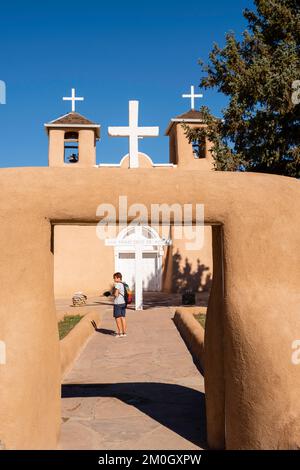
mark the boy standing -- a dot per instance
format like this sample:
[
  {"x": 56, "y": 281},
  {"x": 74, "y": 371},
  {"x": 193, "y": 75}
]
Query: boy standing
[{"x": 119, "y": 305}]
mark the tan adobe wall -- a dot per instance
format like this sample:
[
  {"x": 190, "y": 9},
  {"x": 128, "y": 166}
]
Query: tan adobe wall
[
  {"x": 82, "y": 262},
  {"x": 252, "y": 385},
  {"x": 86, "y": 148},
  {"x": 181, "y": 150}
]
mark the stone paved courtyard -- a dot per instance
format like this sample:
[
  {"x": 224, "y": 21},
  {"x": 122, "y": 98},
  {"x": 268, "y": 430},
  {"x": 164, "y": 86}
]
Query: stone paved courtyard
[{"x": 138, "y": 392}]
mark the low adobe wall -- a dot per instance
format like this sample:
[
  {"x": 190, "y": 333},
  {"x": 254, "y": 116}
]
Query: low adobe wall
[
  {"x": 72, "y": 344},
  {"x": 192, "y": 332}
]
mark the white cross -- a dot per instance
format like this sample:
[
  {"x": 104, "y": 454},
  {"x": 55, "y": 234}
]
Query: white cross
[
  {"x": 193, "y": 96},
  {"x": 134, "y": 132},
  {"x": 140, "y": 246},
  {"x": 73, "y": 98}
]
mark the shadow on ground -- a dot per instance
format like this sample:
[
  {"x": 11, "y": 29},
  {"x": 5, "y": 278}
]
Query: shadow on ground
[
  {"x": 105, "y": 331},
  {"x": 150, "y": 300},
  {"x": 160, "y": 299},
  {"x": 181, "y": 409}
]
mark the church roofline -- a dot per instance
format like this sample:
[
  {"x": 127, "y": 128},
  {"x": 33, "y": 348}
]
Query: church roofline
[
  {"x": 60, "y": 117},
  {"x": 73, "y": 120},
  {"x": 191, "y": 116},
  {"x": 191, "y": 121},
  {"x": 73, "y": 116}
]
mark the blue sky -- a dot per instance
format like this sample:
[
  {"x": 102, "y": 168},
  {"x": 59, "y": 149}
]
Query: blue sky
[{"x": 110, "y": 52}]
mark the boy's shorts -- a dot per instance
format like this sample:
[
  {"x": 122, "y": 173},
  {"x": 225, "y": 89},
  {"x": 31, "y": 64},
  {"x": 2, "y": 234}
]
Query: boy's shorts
[{"x": 119, "y": 310}]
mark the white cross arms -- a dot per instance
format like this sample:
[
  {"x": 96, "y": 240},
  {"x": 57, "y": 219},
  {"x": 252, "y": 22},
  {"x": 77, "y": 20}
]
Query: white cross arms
[
  {"x": 73, "y": 98},
  {"x": 134, "y": 132},
  {"x": 143, "y": 242},
  {"x": 192, "y": 96}
]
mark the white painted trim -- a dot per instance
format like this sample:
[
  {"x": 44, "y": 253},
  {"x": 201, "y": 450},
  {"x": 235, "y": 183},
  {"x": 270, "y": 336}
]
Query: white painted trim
[
  {"x": 74, "y": 126},
  {"x": 60, "y": 117},
  {"x": 114, "y": 165},
  {"x": 122, "y": 234},
  {"x": 128, "y": 249},
  {"x": 168, "y": 165},
  {"x": 133, "y": 243},
  {"x": 108, "y": 165},
  {"x": 139, "y": 153},
  {"x": 187, "y": 120},
  {"x": 94, "y": 126},
  {"x": 124, "y": 158},
  {"x": 118, "y": 165},
  {"x": 159, "y": 268}
]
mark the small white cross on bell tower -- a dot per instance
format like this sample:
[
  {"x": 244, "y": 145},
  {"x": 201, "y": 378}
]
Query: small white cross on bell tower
[
  {"x": 73, "y": 98},
  {"x": 192, "y": 96},
  {"x": 72, "y": 138}
]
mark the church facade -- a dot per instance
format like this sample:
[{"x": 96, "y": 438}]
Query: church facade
[{"x": 85, "y": 262}]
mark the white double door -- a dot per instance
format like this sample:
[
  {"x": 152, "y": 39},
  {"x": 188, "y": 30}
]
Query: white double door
[{"x": 151, "y": 269}]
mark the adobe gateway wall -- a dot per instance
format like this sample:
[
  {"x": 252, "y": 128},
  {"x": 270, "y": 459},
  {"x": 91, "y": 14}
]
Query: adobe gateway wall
[{"x": 250, "y": 377}]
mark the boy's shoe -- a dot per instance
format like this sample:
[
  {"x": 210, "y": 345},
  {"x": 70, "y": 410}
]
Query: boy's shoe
[
  {"x": 117, "y": 335},
  {"x": 123, "y": 334}
]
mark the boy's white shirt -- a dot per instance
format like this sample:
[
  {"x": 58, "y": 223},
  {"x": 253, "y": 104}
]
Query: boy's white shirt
[{"x": 120, "y": 298}]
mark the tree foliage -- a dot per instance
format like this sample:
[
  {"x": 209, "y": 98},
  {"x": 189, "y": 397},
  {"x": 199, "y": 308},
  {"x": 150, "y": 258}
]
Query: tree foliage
[{"x": 260, "y": 126}]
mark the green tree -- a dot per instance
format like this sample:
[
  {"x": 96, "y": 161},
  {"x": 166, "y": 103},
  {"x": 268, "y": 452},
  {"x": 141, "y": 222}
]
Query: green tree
[{"x": 260, "y": 126}]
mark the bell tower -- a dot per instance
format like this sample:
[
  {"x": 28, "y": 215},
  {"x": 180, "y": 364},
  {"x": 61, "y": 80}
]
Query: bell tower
[
  {"x": 72, "y": 139},
  {"x": 197, "y": 154}
]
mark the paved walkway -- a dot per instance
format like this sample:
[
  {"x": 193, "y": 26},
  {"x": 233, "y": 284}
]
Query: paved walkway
[
  {"x": 139, "y": 392},
  {"x": 150, "y": 299}
]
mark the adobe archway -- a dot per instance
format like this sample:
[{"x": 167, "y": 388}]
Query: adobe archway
[{"x": 251, "y": 323}]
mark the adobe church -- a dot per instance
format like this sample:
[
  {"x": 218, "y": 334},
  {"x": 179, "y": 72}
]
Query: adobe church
[{"x": 83, "y": 261}]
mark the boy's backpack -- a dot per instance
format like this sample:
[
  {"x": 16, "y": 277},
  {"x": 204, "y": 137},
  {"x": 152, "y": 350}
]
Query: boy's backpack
[{"x": 127, "y": 294}]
